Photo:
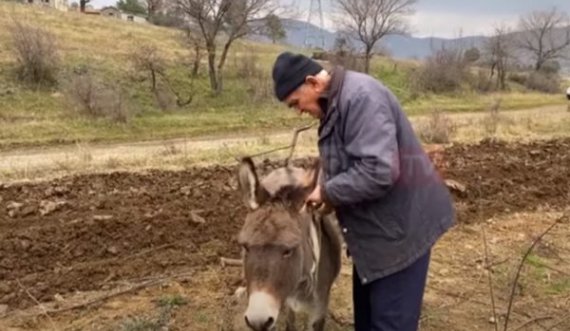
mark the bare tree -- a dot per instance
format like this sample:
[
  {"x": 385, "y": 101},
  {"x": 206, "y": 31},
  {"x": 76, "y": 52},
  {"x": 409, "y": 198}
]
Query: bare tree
[
  {"x": 235, "y": 18},
  {"x": 153, "y": 7},
  {"x": 83, "y": 4},
  {"x": 500, "y": 52},
  {"x": 545, "y": 34},
  {"x": 193, "y": 41},
  {"x": 371, "y": 20}
]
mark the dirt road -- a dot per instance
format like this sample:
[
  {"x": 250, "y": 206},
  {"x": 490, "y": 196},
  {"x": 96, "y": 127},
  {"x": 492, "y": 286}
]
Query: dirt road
[{"x": 50, "y": 157}]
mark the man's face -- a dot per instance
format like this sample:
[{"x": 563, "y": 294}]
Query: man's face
[{"x": 305, "y": 99}]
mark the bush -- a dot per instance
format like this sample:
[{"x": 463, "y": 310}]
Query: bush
[
  {"x": 36, "y": 53},
  {"x": 438, "y": 129},
  {"x": 257, "y": 81},
  {"x": 443, "y": 72},
  {"x": 483, "y": 82},
  {"x": 95, "y": 99},
  {"x": 542, "y": 82},
  {"x": 518, "y": 77}
]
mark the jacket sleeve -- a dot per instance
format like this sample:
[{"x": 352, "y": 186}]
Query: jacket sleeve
[{"x": 372, "y": 148}]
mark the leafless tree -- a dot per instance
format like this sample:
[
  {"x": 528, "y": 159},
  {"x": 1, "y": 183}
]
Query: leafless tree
[
  {"x": 234, "y": 18},
  {"x": 153, "y": 7},
  {"x": 546, "y": 35},
  {"x": 195, "y": 43},
  {"x": 500, "y": 49},
  {"x": 371, "y": 20},
  {"x": 83, "y": 4}
]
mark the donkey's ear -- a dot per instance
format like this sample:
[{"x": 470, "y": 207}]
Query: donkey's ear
[{"x": 253, "y": 194}]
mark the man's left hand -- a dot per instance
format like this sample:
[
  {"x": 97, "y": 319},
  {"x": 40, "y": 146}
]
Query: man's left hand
[{"x": 315, "y": 198}]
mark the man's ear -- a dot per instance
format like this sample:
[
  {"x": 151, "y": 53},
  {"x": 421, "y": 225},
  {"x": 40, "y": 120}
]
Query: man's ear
[{"x": 312, "y": 80}]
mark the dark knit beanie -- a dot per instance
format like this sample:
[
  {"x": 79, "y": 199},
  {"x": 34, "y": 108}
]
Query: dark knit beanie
[{"x": 290, "y": 71}]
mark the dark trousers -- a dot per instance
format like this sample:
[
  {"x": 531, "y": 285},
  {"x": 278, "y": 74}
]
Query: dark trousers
[{"x": 392, "y": 303}]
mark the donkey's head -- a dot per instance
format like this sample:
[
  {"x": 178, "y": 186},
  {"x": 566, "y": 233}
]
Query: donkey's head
[{"x": 275, "y": 236}]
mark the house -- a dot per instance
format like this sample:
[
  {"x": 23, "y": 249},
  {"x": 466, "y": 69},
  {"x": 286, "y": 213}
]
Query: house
[
  {"x": 111, "y": 11},
  {"x": 56, "y": 4},
  {"x": 133, "y": 18},
  {"x": 114, "y": 12}
]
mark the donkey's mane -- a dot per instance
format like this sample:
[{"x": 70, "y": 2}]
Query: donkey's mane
[{"x": 289, "y": 195}]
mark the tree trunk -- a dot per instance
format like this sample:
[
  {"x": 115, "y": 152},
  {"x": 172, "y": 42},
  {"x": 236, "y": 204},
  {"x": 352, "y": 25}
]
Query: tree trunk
[
  {"x": 212, "y": 68},
  {"x": 368, "y": 57},
  {"x": 197, "y": 60},
  {"x": 539, "y": 64},
  {"x": 153, "y": 77},
  {"x": 221, "y": 65}
]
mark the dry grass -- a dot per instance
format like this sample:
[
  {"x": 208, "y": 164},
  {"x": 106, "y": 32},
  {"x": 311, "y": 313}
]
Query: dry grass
[{"x": 438, "y": 129}]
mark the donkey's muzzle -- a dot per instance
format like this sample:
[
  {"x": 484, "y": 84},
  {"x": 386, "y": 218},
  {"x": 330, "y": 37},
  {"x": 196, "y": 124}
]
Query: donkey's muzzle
[
  {"x": 269, "y": 324},
  {"x": 262, "y": 311}
]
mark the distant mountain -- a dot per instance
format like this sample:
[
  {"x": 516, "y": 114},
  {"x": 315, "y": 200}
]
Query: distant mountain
[{"x": 402, "y": 47}]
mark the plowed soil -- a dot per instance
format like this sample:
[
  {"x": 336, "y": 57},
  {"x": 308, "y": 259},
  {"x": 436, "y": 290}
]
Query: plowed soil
[{"x": 88, "y": 232}]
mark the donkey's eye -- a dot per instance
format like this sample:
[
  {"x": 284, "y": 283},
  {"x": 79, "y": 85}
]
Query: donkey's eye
[{"x": 287, "y": 253}]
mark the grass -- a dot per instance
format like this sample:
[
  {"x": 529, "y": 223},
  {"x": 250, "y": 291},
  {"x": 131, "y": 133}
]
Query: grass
[{"x": 41, "y": 118}]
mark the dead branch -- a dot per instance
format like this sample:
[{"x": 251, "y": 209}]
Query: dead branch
[
  {"x": 230, "y": 262},
  {"x": 490, "y": 278},
  {"x": 560, "y": 321},
  {"x": 103, "y": 298},
  {"x": 36, "y": 301},
  {"x": 294, "y": 142},
  {"x": 291, "y": 146},
  {"x": 532, "y": 321},
  {"x": 517, "y": 275}
]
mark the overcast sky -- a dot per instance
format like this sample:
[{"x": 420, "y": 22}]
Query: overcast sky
[{"x": 445, "y": 18}]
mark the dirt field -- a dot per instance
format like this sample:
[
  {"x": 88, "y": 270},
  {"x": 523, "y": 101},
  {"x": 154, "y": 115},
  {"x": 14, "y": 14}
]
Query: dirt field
[{"x": 73, "y": 240}]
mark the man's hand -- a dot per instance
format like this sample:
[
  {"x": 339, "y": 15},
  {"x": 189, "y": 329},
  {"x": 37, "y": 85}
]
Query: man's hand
[{"x": 315, "y": 198}]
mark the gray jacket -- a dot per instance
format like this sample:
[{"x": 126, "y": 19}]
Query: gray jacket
[{"x": 390, "y": 201}]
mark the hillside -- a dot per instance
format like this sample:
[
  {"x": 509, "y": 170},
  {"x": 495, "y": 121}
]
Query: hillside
[
  {"x": 400, "y": 47},
  {"x": 103, "y": 47}
]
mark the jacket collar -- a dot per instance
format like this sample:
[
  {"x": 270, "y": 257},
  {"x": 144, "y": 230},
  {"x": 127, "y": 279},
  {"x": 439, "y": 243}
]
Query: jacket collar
[{"x": 329, "y": 100}]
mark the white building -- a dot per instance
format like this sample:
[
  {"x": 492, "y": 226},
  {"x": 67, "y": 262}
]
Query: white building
[{"x": 56, "y": 4}]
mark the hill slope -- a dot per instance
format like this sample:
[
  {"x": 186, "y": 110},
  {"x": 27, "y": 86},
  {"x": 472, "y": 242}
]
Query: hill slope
[{"x": 30, "y": 117}]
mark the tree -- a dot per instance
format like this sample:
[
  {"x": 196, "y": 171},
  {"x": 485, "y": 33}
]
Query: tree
[
  {"x": 83, "y": 4},
  {"x": 545, "y": 35},
  {"x": 232, "y": 17},
  {"x": 153, "y": 7},
  {"x": 274, "y": 28},
  {"x": 371, "y": 20},
  {"x": 131, "y": 7},
  {"x": 500, "y": 52},
  {"x": 472, "y": 55}
]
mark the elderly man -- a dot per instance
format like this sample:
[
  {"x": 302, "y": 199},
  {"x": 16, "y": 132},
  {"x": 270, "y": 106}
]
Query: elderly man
[{"x": 391, "y": 203}]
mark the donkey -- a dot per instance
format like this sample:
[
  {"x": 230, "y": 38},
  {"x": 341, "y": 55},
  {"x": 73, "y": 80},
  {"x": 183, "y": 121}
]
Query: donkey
[{"x": 291, "y": 252}]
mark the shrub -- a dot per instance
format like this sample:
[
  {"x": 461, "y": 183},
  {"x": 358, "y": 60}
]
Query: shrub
[
  {"x": 483, "y": 82},
  {"x": 443, "y": 72},
  {"x": 438, "y": 128},
  {"x": 542, "y": 82},
  {"x": 36, "y": 52},
  {"x": 95, "y": 99},
  {"x": 257, "y": 81},
  {"x": 518, "y": 77}
]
